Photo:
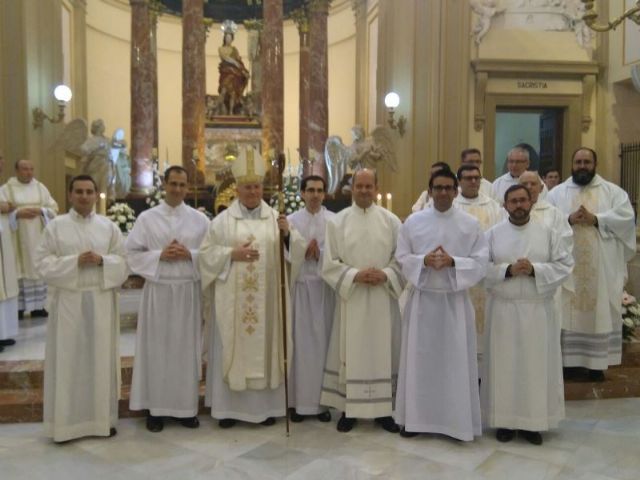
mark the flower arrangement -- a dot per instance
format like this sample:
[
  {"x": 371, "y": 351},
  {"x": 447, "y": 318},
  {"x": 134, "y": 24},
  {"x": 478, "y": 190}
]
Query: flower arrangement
[
  {"x": 157, "y": 193},
  {"x": 630, "y": 316},
  {"x": 122, "y": 215},
  {"x": 292, "y": 199}
]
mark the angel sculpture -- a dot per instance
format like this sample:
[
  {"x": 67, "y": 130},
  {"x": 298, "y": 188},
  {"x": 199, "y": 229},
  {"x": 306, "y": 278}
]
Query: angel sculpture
[
  {"x": 375, "y": 151},
  {"x": 485, "y": 10}
]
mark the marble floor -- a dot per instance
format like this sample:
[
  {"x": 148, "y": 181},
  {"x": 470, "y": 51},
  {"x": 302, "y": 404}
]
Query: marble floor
[{"x": 599, "y": 440}]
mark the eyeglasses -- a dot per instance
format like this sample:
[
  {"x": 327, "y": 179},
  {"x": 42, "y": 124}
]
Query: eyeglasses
[{"x": 443, "y": 188}]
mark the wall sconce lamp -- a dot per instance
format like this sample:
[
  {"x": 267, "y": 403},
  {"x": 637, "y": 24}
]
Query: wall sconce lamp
[
  {"x": 62, "y": 93},
  {"x": 392, "y": 100}
]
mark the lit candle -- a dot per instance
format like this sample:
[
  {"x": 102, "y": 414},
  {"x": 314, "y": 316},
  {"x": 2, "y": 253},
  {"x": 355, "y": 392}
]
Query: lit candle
[
  {"x": 389, "y": 203},
  {"x": 102, "y": 204},
  {"x": 379, "y": 200}
]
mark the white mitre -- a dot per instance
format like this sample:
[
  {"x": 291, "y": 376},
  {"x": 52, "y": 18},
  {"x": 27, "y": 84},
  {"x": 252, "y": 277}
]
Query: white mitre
[{"x": 248, "y": 166}]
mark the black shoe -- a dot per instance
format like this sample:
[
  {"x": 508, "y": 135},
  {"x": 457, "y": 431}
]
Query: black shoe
[
  {"x": 7, "y": 343},
  {"x": 405, "y": 434},
  {"x": 345, "y": 424},
  {"x": 113, "y": 432},
  {"x": 268, "y": 422},
  {"x": 21, "y": 316},
  {"x": 155, "y": 424},
  {"x": 39, "y": 313},
  {"x": 532, "y": 437},
  {"x": 1, "y": 348},
  {"x": 295, "y": 416},
  {"x": 227, "y": 422},
  {"x": 388, "y": 424},
  {"x": 191, "y": 422},
  {"x": 596, "y": 376},
  {"x": 324, "y": 416},
  {"x": 505, "y": 435}
]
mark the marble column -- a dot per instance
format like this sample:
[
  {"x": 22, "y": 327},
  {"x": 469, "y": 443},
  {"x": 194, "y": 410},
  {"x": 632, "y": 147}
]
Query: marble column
[
  {"x": 156, "y": 10},
  {"x": 142, "y": 102},
  {"x": 273, "y": 88},
  {"x": 193, "y": 88},
  {"x": 318, "y": 85},
  {"x": 302, "y": 21}
]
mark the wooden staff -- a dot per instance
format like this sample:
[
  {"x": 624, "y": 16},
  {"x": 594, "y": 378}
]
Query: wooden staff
[{"x": 283, "y": 286}]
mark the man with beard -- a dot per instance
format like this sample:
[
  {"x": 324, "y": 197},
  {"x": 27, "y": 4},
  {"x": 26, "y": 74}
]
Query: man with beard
[
  {"x": 443, "y": 253},
  {"x": 522, "y": 374},
  {"x": 359, "y": 264},
  {"x": 604, "y": 240},
  {"x": 517, "y": 164}
]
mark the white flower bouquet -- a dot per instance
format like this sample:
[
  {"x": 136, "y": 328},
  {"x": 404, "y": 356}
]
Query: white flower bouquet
[
  {"x": 630, "y": 316},
  {"x": 292, "y": 199},
  {"x": 122, "y": 215},
  {"x": 157, "y": 193}
]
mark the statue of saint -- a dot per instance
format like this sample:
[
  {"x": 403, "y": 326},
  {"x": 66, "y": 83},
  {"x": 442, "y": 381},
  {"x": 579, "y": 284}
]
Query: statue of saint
[
  {"x": 233, "y": 74},
  {"x": 97, "y": 159},
  {"x": 121, "y": 164}
]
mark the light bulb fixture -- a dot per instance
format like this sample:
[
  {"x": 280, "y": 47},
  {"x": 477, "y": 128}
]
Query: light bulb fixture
[
  {"x": 62, "y": 94},
  {"x": 391, "y": 101}
]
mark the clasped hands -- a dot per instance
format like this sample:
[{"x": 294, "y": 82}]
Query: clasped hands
[
  {"x": 438, "y": 259},
  {"x": 28, "y": 213},
  {"x": 89, "y": 258},
  {"x": 522, "y": 266},
  {"x": 370, "y": 276},
  {"x": 582, "y": 216},
  {"x": 313, "y": 251},
  {"x": 175, "y": 252}
]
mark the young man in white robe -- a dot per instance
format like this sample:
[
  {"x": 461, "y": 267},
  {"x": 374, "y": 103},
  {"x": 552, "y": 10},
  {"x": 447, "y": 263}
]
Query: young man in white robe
[
  {"x": 423, "y": 200},
  {"x": 82, "y": 255},
  {"x": 522, "y": 387},
  {"x": 240, "y": 272},
  {"x": 443, "y": 252},
  {"x": 604, "y": 240},
  {"x": 163, "y": 249},
  {"x": 313, "y": 302},
  {"x": 488, "y": 212},
  {"x": 517, "y": 163},
  {"x": 8, "y": 277},
  {"x": 34, "y": 208},
  {"x": 359, "y": 264}
]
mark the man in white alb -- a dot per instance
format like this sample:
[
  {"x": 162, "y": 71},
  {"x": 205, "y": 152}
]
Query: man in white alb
[
  {"x": 517, "y": 164},
  {"x": 473, "y": 156},
  {"x": 359, "y": 265},
  {"x": 313, "y": 302},
  {"x": 163, "y": 249},
  {"x": 34, "y": 208},
  {"x": 82, "y": 255},
  {"x": 443, "y": 252}
]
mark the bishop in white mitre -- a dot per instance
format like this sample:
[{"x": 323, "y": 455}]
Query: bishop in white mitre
[
  {"x": 359, "y": 264},
  {"x": 240, "y": 271},
  {"x": 522, "y": 386},
  {"x": 488, "y": 212},
  {"x": 82, "y": 257},
  {"x": 163, "y": 248},
  {"x": 8, "y": 277},
  {"x": 313, "y": 302},
  {"x": 604, "y": 240},
  {"x": 34, "y": 208},
  {"x": 443, "y": 252}
]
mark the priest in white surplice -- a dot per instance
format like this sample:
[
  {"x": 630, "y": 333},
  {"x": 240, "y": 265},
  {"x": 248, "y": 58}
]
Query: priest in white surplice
[
  {"x": 34, "y": 208},
  {"x": 8, "y": 277},
  {"x": 239, "y": 268},
  {"x": 443, "y": 252},
  {"x": 313, "y": 302},
  {"x": 359, "y": 264},
  {"x": 604, "y": 240},
  {"x": 82, "y": 256},
  {"x": 522, "y": 387},
  {"x": 488, "y": 212},
  {"x": 163, "y": 248},
  {"x": 517, "y": 164}
]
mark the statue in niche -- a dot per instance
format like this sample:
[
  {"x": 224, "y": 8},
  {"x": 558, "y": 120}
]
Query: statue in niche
[
  {"x": 96, "y": 159},
  {"x": 485, "y": 10},
  {"x": 375, "y": 151},
  {"x": 233, "y": 74},
  {"x": 121, "y": 164}
]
